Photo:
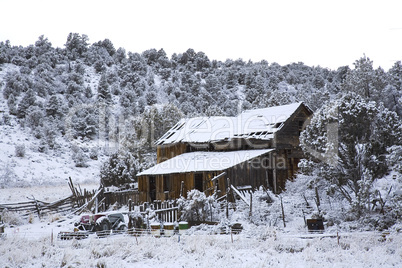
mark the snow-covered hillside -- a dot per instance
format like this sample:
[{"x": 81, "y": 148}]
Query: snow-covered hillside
[{"x": 34, "y": 168}]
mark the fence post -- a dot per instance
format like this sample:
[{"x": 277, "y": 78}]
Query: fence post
[
  {"x": 227, "y": 198},
  {"x": 96, "y": 205},
  {"x": 37, "y": 206},
  {"x": 283, "y": 213},
  {"x": 251, "y": 204}
]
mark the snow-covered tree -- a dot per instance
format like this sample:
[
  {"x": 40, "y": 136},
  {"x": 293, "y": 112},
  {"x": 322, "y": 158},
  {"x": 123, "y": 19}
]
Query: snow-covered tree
[
  {"x": 119, "y": 169},
  {"x": 76, "y": 45},
  {"x": 84, "y": 122},
  {"x": 28, "y": 100},
  {"x": 197, "y": 206},
  {"x": 79, "y": 157},
  {"x": 364, "y": 80},
  {"x": 104, "y": 93},
  {"x": 55, "y": 106},
  {"x": 12, "y": 106},
  {"x": 349, "y": 137}
]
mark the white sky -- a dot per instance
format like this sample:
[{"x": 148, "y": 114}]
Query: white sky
[{"x": 317, "y": 32}]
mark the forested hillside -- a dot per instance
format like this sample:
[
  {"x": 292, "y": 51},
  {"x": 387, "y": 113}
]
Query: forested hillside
[{"x": 102, "y": 103}]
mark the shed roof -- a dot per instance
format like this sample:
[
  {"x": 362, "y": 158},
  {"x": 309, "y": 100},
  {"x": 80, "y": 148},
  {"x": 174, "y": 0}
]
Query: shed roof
[
  {"x": 257, "y": 124},
  {"x": 203, "y": 161}
]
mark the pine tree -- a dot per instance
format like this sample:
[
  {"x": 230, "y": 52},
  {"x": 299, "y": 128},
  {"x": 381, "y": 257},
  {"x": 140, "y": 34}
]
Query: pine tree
[
  {"x": 28, "y": 100},
  {"x": 12, "y": 106},
  {"x": 350, "y": 137},
  {"x": 364, "y": 80},
  {"x": 104, "y": 93},
  {"x": 54, "y": 106},
  {"x": 76, "y": 45},
  {"x": 118, "y": 170},
  {"x": 395, "y": 75}
]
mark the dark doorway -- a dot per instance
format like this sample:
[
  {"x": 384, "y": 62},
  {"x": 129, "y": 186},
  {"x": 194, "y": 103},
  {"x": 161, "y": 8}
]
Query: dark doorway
[
  {"x": 198, "y": 182},
  {"x": 152, "y": 188},
  {"x": 166, "y": 183},
  {"x": 270, "y": 179}
]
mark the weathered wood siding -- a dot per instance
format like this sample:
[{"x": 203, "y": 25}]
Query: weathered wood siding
[
  {"x": 253, "y": 172},
  {"x": 165, "y": 152},
  {"x": 271, "y": 171},
  {"x": 288, "y": 136},
  {"x": 256, "y": 172},
  {"x": 143, "y": 188}
]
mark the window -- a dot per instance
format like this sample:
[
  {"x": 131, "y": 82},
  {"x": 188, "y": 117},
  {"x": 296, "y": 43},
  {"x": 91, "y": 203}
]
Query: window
[
  {"x": 301, "y": 124},
  {"x": 166, "y": 183}
]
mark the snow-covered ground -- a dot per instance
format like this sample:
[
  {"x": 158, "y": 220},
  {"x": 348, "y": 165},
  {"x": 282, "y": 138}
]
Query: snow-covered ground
[
  {"x": 34, "y": 246},
  {"x": 46, "y": 193}
]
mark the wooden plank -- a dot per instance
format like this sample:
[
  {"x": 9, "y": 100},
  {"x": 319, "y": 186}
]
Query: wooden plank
[
  {"x": 240, "y": 195},
  {"x": 217, "y": 177}
]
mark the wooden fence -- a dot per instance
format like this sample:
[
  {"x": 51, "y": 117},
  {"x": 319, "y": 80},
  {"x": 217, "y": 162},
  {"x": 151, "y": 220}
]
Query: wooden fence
[
  {"x": 119, "y": 198},
  {"x": 33, "y": 207},
  {"x": 40, "y": 208},
  {"x": 166, "y": 211},
  {"x": 96, "y": 201}
]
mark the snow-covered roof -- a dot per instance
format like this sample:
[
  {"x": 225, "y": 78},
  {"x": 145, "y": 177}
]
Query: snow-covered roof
[
  {"x": 200, "y": 129},
  {"x": 258, "y": 124},
  {"x": 203, "y": 161}
]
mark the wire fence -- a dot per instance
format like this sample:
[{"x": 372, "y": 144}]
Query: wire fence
[{"x": 163, "y": 232}]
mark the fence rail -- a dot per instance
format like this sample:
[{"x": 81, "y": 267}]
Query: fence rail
[
  {"x": 166, "y": 211},
  {"x": 39, "y": 207}
]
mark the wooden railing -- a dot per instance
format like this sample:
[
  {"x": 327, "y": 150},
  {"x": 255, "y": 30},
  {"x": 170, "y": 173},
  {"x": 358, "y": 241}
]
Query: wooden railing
[{"x": 166, "y": 211}]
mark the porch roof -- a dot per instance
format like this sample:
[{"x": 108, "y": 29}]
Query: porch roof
[{"x": 203, "y": 161}]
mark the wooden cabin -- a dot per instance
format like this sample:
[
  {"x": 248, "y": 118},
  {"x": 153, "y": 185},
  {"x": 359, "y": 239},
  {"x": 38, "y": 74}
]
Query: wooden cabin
[{"x": 256, "y": 148}]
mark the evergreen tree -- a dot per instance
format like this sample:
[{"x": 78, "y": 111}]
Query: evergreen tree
[
  {"x": 151, "y": 96},
  {"x": 55, "y": 106},
  {"x": 34, "y": 117},
  {"x": 350, "y": 137},
  {"x": 104, "y": 93},
  {"x": 12, "y": 106},
  {"x": 364, "y": 80},
  {"x": 5, "y": 52},
  {"x": 118, "y": 170},
  {"x": 76, "y": 45},
  {"x": 85, "y": 123},
  {"x": 395, "y": 75},
  {"x": 28, "y": 100},
  {"x": 42, "y": 46},
  {"x": 16, "y": 83},
  {"x": 120, "y": 55}
]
